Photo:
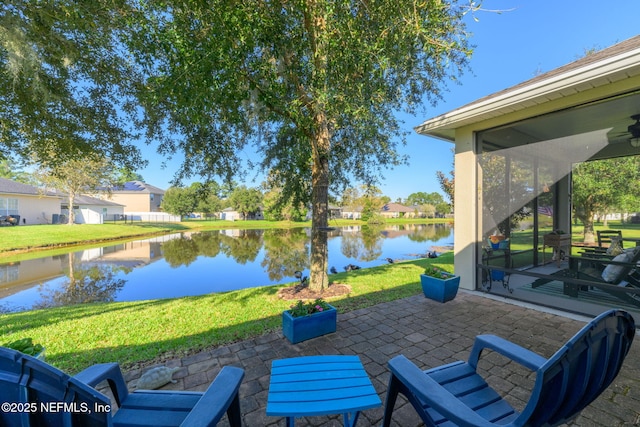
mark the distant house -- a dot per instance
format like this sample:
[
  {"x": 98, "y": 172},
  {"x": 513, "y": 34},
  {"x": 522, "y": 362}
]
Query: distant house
[
  {"x": 231, "y": 214},
  {"x": 31, "y": 204},
  {"x": 352, "y": 212},
  {"x": 334, "y": 211},
  {"x": 137, "y": 196},
  {"x": 91, "y": 210},
  {"x": 416, "y": 212},
  {"x": 396, "y": 210}
]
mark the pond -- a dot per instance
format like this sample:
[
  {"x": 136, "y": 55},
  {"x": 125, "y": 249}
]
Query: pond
[{"x": 197, "y": 263}]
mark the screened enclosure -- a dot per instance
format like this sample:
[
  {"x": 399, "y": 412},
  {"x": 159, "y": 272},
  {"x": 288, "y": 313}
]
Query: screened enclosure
[{"x": 547, "y": 186}]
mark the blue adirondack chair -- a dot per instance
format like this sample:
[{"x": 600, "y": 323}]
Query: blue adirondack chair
[
  {"x": 40, "y": 395},
  {"x": 456, "y": 395}
]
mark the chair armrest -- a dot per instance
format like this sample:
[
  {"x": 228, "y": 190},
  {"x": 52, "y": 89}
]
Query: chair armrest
[
  {"x": 94, "y": 375},
  {"x": 221, "y": 396},
  {"x": 428, "y": 390},
  {"x": 523, "y": 356}
]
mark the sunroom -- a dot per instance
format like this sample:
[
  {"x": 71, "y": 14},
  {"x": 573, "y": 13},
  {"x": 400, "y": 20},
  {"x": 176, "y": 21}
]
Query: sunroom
[{"x": 523, "y": 211}]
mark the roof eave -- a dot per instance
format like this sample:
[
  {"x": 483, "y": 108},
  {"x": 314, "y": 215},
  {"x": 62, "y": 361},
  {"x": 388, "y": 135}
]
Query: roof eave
[{"x": 520, "y": 97}]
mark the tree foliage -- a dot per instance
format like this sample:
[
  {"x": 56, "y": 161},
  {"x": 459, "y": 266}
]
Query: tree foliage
[
  {"x": 603, "y": 185},
  {"x": 179, "y": 201},
  {"x": 506, "y": 197},
  {"x": 246, "y": 200},
  {"x": 65, "y": 81},
  {"x": 421, "y": 198},
  {"x": 372, "y": 202},
  {"x": 75, "y": 176},
  {"x": 123, "y": 175},
  {"x": 448, "y": 183},
  {"x": 208, "y": 198},
  {"x": 274, "y": 209},
  {"x": 430, "y": 203},
  {"x": 351, "y": 198},
  {"x": 10, "y": 170}
]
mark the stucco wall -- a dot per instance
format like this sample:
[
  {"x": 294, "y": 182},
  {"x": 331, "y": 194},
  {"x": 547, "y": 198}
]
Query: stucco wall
[
  {"x": 132, "y": 202},
  {"x": 35, "y": 209},
  {"x": 137, "y": 202},
  {"x": 467, "y": 194}
]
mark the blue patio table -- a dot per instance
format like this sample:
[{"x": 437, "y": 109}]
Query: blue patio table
[{"x": 320, "y": 385}]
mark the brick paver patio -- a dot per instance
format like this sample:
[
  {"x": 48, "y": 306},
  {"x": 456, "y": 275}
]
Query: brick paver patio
[{"x": 430, "y": 334}]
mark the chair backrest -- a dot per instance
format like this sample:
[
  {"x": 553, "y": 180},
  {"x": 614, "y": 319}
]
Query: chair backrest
[
  {"x": 582, "y": 369},
  {"x": 45, "y": 396},
  {"x": 604, "y": 237}
]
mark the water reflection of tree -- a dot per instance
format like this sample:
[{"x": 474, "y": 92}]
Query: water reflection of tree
[
  {"x": 180, "y": 251},
  {"x": 364, "y": 246},
  {"x": 372, "y": 239},
  {"x": 286, "y": 251},
  {"x": 429, "y": 232},
  {"x": 208, "y": 243},
  {"x": 350, "y": 245},
  {"x": 85, "y": 284},
  {"x": 244, "y": 247}
]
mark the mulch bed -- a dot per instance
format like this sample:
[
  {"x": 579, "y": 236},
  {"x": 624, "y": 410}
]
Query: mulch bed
[{"x": 300, "y": 293}]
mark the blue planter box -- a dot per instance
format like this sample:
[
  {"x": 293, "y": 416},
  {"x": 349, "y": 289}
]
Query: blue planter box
[
  {"x": 441, "y": 290},
  {"x": 303, "y": 328},
  {"x": 497, "y": 275}
]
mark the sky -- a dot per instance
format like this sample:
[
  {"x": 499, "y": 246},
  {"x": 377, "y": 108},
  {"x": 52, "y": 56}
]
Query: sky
[{"x": 526, "y": 38}]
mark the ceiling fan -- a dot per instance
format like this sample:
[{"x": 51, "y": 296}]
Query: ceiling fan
[
  {"x": 632, "y": 134},
  {"x": 634, "y": 130}
]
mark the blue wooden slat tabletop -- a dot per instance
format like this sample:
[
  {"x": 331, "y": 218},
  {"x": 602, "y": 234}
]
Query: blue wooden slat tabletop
[{"x": 319, "y": 385}]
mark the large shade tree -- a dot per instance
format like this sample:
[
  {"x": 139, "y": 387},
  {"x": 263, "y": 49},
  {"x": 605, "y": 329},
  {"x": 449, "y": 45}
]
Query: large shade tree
[{"x": 315, "y": 85}]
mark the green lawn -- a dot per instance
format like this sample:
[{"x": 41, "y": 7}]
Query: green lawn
[
  {"x": 51, "y": 236},
  {"x": 136, "y": 332}
]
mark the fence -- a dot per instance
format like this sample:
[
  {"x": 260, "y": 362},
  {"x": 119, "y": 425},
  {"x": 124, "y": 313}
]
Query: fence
[{"x": 131, "y": 217}]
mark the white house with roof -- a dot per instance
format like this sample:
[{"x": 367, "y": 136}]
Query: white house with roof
[
  {"x": 230, "y": 214},
  {"x": 396, "y": 210},
  {"x": 30, "y": 203},
  {"x": 515, "y": 151},
  {"x": 91, "y": 210},
  {"x": 36, "y": 206},
  {"x": 351, "y": 212}
]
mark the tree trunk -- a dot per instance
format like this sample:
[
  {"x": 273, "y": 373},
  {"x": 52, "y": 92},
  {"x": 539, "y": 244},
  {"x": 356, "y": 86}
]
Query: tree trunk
[
  {"x": 72, "y": 215},
  {"x": 315, "y": 22},
  {"x": 319, "y": 278},
  {"x": 589, "y": 233}
]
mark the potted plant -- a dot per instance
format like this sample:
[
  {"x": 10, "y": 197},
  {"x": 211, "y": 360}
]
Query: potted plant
[
  {"x": 438, "y": 284},
  {"x": 26, "y": 346},
  {"x": 308, "y": 320},
  {"x": 495, "y": 240}
]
